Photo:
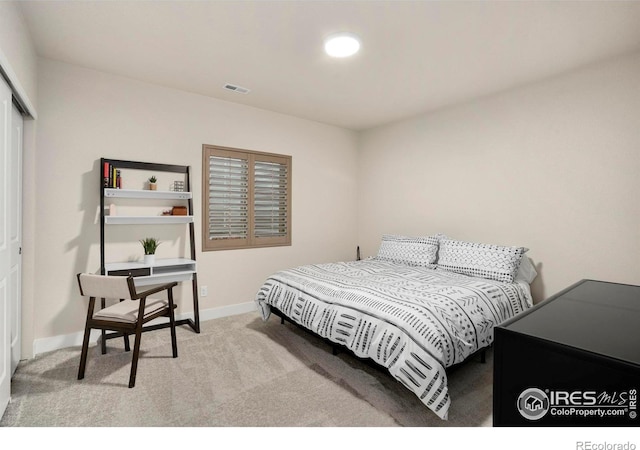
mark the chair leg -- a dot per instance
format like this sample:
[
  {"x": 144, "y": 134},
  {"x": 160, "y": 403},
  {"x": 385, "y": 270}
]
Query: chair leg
[
  {"x": 127, "y": 346},
  {"x": 103, "y": 337},
  {"x": 85, "y": 350},
  {"x": 136, "y": 345},
  {"x": 134, "y": 360},
  {"x": 172, "y": 321},
  {"x": 85, "y": 341}
]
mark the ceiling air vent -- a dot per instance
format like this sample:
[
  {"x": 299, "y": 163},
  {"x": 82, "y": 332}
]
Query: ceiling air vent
[{"x": 238, "y": 89}]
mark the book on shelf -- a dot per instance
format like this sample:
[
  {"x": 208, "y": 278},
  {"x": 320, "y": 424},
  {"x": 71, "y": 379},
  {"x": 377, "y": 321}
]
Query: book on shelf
[
  {"x": 111, "y": 177},
  {"x": 106, "y": 175}
]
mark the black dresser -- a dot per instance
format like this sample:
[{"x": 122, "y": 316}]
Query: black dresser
[{"x": 572, "y": 360}]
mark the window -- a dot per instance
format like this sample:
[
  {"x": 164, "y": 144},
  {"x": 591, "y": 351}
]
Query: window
[{"x": 246, "y": 199}]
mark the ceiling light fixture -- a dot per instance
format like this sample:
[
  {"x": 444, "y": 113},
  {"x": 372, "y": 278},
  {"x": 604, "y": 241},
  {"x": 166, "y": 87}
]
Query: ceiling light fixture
[{"x": 342, "y": 45}]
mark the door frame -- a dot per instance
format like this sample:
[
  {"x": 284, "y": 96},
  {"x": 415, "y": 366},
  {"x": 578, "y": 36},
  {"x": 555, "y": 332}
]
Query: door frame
[
  {"x": 15, "y": 236},
  {"x": 6, "y": 113}
]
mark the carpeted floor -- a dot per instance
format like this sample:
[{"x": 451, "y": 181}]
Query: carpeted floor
[{"x": 238, "y": 372}]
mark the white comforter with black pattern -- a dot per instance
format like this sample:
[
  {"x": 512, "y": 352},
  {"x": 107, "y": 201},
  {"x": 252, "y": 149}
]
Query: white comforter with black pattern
[{"x": 414, "y": 321}]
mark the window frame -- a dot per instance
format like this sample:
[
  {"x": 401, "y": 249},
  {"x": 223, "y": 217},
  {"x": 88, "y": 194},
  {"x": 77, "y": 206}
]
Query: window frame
[{"x": 250, "y": 241}]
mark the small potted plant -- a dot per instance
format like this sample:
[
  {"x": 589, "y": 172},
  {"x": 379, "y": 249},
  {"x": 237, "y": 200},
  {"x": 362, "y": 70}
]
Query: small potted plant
[
  {"x": 152, "y": 183},
  {"x": 149, "y": 245}
]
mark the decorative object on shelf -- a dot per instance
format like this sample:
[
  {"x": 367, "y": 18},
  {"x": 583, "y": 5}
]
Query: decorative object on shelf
[
  {"x": 178, "y": 186},
  {"x": 152, "y": 183},
  {"x": 179, "y": 211},
  {"x": 150, "y": 245}
]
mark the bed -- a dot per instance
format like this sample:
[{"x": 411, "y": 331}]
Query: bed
[{"x": 414, "y": 308}]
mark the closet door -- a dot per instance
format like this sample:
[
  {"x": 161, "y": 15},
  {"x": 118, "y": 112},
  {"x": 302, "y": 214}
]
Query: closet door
[
  {"x": 5, "y": 252},
  {"x": 14, "y": 204}
]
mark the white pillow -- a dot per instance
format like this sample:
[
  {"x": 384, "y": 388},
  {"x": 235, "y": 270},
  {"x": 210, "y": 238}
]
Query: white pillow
[
  {"x": 526, "y": 271},
  {"x": 412, "y": 251},
  {"x": 494, "y": 262}
]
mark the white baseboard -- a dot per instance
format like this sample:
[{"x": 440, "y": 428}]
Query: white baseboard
[{"x": 75, "y": 339}]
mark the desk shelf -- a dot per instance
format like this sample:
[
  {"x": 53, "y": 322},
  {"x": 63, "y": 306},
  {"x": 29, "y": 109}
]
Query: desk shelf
[
  {"x": 146, "y": 220},
  {"x": 146, "y": 194},
  {"x": 163, "y": 270}
]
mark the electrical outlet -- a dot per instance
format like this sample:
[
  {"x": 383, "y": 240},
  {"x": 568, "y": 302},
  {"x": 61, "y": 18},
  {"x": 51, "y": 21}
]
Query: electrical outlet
[{"x": 203, "y": 291}]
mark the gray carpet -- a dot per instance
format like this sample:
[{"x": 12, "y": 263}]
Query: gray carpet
[{"x": 238, "y": 372}]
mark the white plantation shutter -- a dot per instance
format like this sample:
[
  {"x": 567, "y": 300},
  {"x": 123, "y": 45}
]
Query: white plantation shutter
[
  {"x": 270, "y": 199},
  {"x": 247, "y": 199},
  {"x": 228, "y": 198}
]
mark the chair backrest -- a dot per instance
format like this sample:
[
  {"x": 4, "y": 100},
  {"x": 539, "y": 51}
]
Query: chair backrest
[{"x": 106, "y": 287}]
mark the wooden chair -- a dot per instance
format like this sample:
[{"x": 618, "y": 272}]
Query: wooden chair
[{"x": 126, "y": 317}]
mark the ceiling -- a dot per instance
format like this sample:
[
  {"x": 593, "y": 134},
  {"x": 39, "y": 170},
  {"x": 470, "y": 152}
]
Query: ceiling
[{"x": 416, "y": 56}]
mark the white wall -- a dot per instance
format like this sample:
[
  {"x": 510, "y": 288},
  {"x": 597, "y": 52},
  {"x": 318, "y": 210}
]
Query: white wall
[
  {"x": 85, "y": 115},
  {"x": 16, "y": 49},
  {"x": 19, "y": 61},
  {"x": 553, "y": 167}
]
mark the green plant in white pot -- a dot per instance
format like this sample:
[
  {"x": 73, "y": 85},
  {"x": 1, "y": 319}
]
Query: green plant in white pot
[{"x": 150, "y": 245}]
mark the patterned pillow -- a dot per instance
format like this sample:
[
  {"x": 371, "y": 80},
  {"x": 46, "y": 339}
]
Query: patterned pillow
[
  {"x": 413, "y": 251},
  {"x": 493, "y": 262}
]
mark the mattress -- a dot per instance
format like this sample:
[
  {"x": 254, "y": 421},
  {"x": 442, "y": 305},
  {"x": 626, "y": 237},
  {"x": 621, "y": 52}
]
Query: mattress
[{"x": 414, "y": 321}]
